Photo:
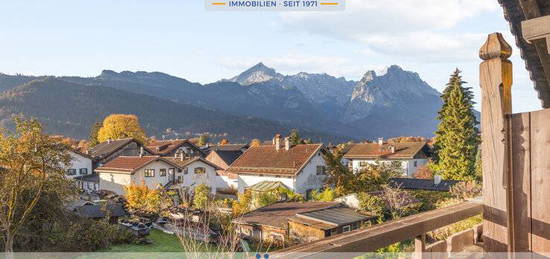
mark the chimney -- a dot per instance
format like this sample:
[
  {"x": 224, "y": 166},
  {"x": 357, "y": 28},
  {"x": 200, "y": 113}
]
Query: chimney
[
  {"x": 287, "y": 143},
  {"x": 380, "y": 141},
  {"x": 392, "y": 149},
  {"x": 141, "y": 152},
  {"x": 108, "y": 141},
  {"x": 181, "y": 155},
  {"x": 437, "y": 179},
  {"x": 277, "y": 141}
]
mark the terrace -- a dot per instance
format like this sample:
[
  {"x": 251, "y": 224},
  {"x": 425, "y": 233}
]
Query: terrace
[{"x": 516, "y": 167}]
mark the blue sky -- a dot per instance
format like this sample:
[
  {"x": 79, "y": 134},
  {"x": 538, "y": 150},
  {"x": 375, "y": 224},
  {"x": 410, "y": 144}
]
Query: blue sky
[{"x": 182, "y": 38}]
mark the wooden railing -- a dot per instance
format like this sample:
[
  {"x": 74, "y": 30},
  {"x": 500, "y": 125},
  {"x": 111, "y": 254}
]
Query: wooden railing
[{"x": 379, "y": 236}]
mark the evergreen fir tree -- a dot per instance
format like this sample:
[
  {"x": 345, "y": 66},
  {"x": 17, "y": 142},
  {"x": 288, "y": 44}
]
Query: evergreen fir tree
[
  {"x": 94, "y": 133},
  {"x": 456, "y": 140},
  {"x": 294, "y": 137}
]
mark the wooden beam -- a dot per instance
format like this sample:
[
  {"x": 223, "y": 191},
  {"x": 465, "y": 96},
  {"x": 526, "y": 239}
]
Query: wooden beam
[
  {"x": 496, "y": 106},
  {"x": 420, "y": 247},
  {"x": 537, "y": 29},
  {"x": 370, "y": 239}
]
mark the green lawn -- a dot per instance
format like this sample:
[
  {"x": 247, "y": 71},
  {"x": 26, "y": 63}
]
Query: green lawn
[{"x": 162, "y": 242}]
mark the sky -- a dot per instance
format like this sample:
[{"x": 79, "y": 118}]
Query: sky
[{"x": 182, "y": 38}]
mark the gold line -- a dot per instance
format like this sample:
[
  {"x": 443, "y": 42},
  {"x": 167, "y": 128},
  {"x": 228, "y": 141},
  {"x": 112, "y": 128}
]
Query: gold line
[
  {"x": 218, "y": 3},
  {"x": 329, "y": 3}
]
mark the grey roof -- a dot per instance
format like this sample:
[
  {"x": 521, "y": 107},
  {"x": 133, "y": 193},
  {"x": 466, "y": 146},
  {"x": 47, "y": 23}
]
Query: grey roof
[
  {"x": 95, "y": 211},
  {"x": 334, "y": 216},
  {"x": 226, "y": 147},
  {"x": 514, "y": 14},
  {"x": 422, "y": 184},
  {"x": 228, "y": 156},
  {"x": 107, "y": 148},
  {"x": 88, "y": 178}
]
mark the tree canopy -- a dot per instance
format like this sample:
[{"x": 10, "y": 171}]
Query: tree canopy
[
  {"x": 32, "y": 163},
  {"x": 456, "y": 140},
  {"x": 118, "y": 126}
]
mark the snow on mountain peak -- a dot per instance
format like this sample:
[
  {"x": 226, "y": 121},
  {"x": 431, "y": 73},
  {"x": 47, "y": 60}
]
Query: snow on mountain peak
[{"x": 256, "y": 74}]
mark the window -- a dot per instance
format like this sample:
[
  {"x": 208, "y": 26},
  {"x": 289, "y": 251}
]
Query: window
[
  {"x": 171, "y": 171},
  {"x": 200, "y": 170},
  {"x": 363, "y": 163},
  {"x": 415, "y": 163},
  {"x": 321, "y": 170},
  {"x": 163, "y": 172},
  {"x": 186, "y": 171},
  {"x": 180, "y": 179},
  {"x": 149, "y": 172},
  {"x": 346, "y": 229},
  {"x": 71, "y": 171},
  {"x": 83, "y": 171}
]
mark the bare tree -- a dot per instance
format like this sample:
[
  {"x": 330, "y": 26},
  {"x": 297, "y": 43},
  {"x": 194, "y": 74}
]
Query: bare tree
[{"x": 398, "y": 201}]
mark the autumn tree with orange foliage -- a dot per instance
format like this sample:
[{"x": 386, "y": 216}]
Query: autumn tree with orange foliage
[
  {"x": 224, "y": 141},
  {"x": 119, "y": 126},
  {"x": 255, "y": 143},
  {"x": 423, "y": 172},
  {"x": 141, "y": 198}
]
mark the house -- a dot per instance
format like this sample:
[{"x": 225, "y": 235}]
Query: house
[
  {"x": 174, "y": 148},
  {"x": 286, "y": 222},
  {"x": 223, "y": 157},
  {"x": 299, "y": 167},
  {"x": 310, "y": 226},
  {"x": 156, "y": 171},
  {"x": 81, "y": 167},
  {"x": 106, "y": 151},
  {"x": 197, "y": 171},
  {"x": 410, "y": 155}
]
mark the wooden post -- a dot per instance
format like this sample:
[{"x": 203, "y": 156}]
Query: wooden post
[
  {"x": 496, "y": 107},
  {"x": 420, "y": 246}
]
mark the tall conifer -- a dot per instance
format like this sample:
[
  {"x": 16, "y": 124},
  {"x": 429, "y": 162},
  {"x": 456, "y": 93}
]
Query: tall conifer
[{"x": 457, "y": 139}]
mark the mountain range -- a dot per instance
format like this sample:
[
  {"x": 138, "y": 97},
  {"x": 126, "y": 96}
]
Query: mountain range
[{"x": 257, "y": 103}]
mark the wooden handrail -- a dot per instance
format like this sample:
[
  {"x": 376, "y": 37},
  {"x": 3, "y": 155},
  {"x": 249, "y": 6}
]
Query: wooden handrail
[{"x": 379, "y": 236}]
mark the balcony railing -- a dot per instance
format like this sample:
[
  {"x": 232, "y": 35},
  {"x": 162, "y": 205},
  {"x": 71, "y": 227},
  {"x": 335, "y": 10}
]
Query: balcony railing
[{"x": 379, "y": 236}]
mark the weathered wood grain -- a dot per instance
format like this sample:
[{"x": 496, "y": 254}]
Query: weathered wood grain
[
  {"x": 521, "y": 171},
  {"x": 540, "y": 180},
  {"x": 496, "y": 104}
]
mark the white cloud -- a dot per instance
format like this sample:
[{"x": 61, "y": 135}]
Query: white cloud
[{"x": 421, "y": 28}]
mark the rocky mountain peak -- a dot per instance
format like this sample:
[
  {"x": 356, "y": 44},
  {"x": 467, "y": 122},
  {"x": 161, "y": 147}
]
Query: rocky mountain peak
[{"x": 256, "y": 74}]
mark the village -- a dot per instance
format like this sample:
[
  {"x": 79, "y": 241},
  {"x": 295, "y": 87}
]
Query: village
[
  {"x": 475, "y": 188},
  {"x": 257, "y": 196}
]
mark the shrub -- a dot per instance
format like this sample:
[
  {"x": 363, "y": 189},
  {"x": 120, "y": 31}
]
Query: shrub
[
  {"x": 423, "y": 172},
  {"x": 466, "y": 190},
  {"x": 429, "y": 200},
  {"x": 372, "y": 205},
  {"x": 201, "y": 196},
  {"x": 326, "y": 195}
]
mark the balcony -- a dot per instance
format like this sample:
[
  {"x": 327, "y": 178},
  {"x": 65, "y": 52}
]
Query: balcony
[{"x": 359, "y": 242}]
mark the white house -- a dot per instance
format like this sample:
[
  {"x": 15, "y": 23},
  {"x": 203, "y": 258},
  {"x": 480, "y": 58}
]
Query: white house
[
  {"x": 410, "y": 155},
  {"x": 80, "y": 170},
  {"x": 156, "y": 171},
  {"x": 299, "y": 167}
]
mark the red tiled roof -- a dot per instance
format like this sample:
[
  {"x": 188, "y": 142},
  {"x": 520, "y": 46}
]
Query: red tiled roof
[
  {"x": 277, "y": 215},
  {"x": 377, "y": 151},
  {"x": 130, "y": 164},
  {"x": 266, "y": 159}
]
